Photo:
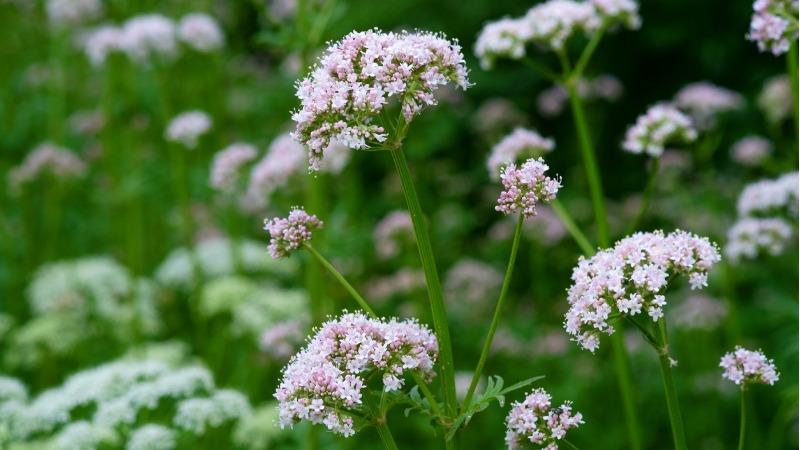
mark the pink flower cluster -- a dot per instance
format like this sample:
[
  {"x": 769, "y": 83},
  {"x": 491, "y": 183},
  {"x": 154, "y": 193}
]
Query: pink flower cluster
[
  {"x": 200, "y": 32},
  {"x": 391, "y": 231},
  {"x": 551, "y": 24},
  {"x": 703, "y": 101},
  {"x": 551, "y": 101},
  {"x": 281, "y": 340},
  {"x": 324, "y": 381},
  {"x": 46, "y": 159},
  {"x": 662, "y": 124},
  {"x": 284, "y": 158},
  {"x": 526, "y": 186},
  {"x": 357, "y": 77},
  {"x": 774, "y": 25},
  {"x": 288, "y": 234},
  {"x": 744, "y": 366},
  {"x": 698, "y": 312},
  {"x": 227, "y": 164},
  {"x": 750, "y": 236},
  {"x": 520, "y": 143},
  {"x": 187, "y": 127},
  {"x": 631, "y": 278},
  {"x": 770, "y": 197},
  {"x": 536, "y": 421},
  {"x": 751, "y": 150}
]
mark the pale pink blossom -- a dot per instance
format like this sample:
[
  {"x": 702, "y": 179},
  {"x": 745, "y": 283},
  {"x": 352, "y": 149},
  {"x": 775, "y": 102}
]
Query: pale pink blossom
[
  {"x": 290, "y": 233},
  {"x": 662, "y": 124},
  {"x": 751, "y": 150},
  {"x": 774, "y": 25},
  {"x": 525, "y": 187},
  {"x": 520, "y": 143},
  {"x": 200, "y": 32},
  {"x": 227, "y": 166},
  {"x": 749, "y": 237},
  {"x": 536, "y": 421},
  {"x": 745, "y": 367},
  {"x": 46, "y": 160}
]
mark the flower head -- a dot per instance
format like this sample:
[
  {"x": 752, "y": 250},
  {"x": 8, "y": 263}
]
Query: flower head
[
  {"x": 46, "y": 159},
  {"x": 325, "y": 380},
  {"x": 64, "y": 13},
  {"x": 770, "y": 197},
  {"x": 201, "y": 32},
  {"x": 774, "y": 25},
  {"x": 359, "y": 75},
  {"x": 520, "y": 143},
  {"x": 631, "y": 279},
  {"x": 625, "y": 12},
  {"x": 152, "y": 437},
  {"x": 149, "y": 36},
  {"x": 751, "y": 150},
  {"x": 526, "y": 186},
  {"x": 283, "y": 159},
  {"x": 535, "y": 420},
  {"x": 394, "y": 229},
  {"x": 281, "y": 340},
  {"x": 750, "y": 237},
  {"x": 775, "y": 99},
  {"x": 703, "y": 101},
  {"x": 288, "y": 234},
  {"x": 745, "y": 367},
  {"x": 187, "y": 127},
  {"x": 662, "y": 124},
  {"x": 225, "y": 169},
  {"x": 504, "y": 38}
]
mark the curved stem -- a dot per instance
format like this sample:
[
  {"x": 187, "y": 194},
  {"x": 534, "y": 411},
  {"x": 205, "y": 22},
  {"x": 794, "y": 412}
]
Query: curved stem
[
  {"x": 587, "y": 53},
  {"x": 341, "y": 279},
  {"x": 673, "y": 408},
  {"x": 427, "y": 393},
  {"x": 313, "y": 275},
  {"x": 386, "y": 434},
  {"x": 648, "y": 193},
  {"x": 487, "y": 344},
  {"x": 431, "y": 275},
  {"x": 742, "y": 421},
  {"x": 572, "y": 228},
  {"x": 541, "y": 69}
]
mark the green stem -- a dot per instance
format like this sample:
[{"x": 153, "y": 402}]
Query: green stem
[
  {"x": 791, "y": 61},
  {"x": 541, "y": 69},
  {"x": 341, "y": 279},
  {"x": 386, "y": 434},
  {"x": 648, "y": 193},
  {"x": 487, "y": 343},
  {"x": 625, "y": 384},
  {"x": 431, "y": 277},
  {"x": 587, "y": 53},
  {"x": 569, "y": 444},
  {"x": 590, "y": 164},
  {"x": 313, "y": 275},
  {"x": 572, "y": 228},
  {"x": 742, "y": 421},
  {"x": 669, "y": 390},
  {"x": 427, "y": 393}
]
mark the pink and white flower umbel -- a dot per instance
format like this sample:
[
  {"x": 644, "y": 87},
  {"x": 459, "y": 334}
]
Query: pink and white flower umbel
[
  {"x": 519, "y": 143},
  {"x": 358, "y": 76},
  {"x": 525, "y": 187},
  {"x": 776, "y": 197},
  {"x": 534, "y": 420},
  {"x": 703, "y": 101},
  {"x": 201, "y": 32},
  {"x": 287, "y": 234},
  {"x": 325, "y": 380},
  {"x": 751, "y": 150},
  {"x": 661, "y": 125},
  {"x": 46, "y": 159},
  {"x": 745, "y": 367},
  {"x": 631, "y": 278},
  {"x": 774, "y": 25},
  {"x": 227, "y": 165},
  {"x": 751, "y": 236}
]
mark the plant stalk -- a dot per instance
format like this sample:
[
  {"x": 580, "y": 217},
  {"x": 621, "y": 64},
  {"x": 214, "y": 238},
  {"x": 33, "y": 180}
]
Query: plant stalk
[
  {"x": 648, "y": 193},
  {"x": 742, "y": 421},
  {"x": 386, "y": 434},
  {"x": 673, "y": 408},
  {"x": 341, "y": 279}
]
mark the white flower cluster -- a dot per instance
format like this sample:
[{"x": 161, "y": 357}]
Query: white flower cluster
[
  {"x": 114, "y": 394},
  {"x": 745, "y": 367},
  {"x": 46, "y": 160},
  {"x": 284, "y": 159},
  {"x": 227, "y": 166},
  {"x": 68, "y": 13},
  {"x": 631, "y": 278},
  {"x": 519, "y": 144},
  {"x": 187, "y": 127},
  {"x": 774, "y": 25},
  {"x": 551, "y": 24},
  {"x": 751, "y": 150},
  {"x": 150, "y": 37},
  {"x": 704, "y": 101},
  {"x": 217, "y": 258},
  {"x": 767, "y": 209},
  {"x": 775, "y": 99},
  {"x": 661, "y": 125}
]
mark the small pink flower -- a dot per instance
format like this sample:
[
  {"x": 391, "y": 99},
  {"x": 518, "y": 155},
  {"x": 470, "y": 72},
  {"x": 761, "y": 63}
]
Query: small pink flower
[
  {"x": 288, "y": 234},
  {"x": 744, "y": 367},
  {"x": 534, "y": 420},
  {"x": 525, "y": 187}
]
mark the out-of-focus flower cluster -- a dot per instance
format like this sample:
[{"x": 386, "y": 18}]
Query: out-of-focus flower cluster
[
  {"x": 770, "y": 197},
  {"x": 551, "y": 101},
  {"x": 287, "y": 234},
  {"x": 550, "y": 25},
  {"x": 152, "y": 37},
  {"x": 661, "y": 125},
  {"x": 631, "y": 278},
  {"x": 703, "y": 101},
  {"x": 358, "y": 76},
  {"x": 536, "y": 421},
  {"x": 391, "y": 232},
  {"x": 751, "y": 150},
  {"x": 525, "y": 187},
  {"x": 775, "y": 99},
  {"x": 325, "y": 380},
  {"x": 749, "y": 237},
  {"x": 470, "y": 286},
  {"x": 187, "y": 127},
  {"x": 745, "y": 367},
  {"x": 698, "y": 312},
  {"x": 227, "y": 165},
  {"x": 774, "y": 25},
  {"x": 46, "y": 160},
  {"x": 521, "y": 143}
]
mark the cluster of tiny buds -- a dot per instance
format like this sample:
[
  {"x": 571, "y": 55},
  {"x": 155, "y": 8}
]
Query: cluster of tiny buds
[
  {"x": 661, "y": 125},
  {"x": 289, "y": 233},
  {"x": 526, "y": 186},
  {"x": 536, "y": 421},
  {"x": 745, "y": 367}
]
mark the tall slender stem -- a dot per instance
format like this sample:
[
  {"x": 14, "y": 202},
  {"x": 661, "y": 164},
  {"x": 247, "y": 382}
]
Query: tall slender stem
[
  {"x": 572, "y": 228},
  {"x": 648, "y": 193},
  {"x": 569, "y": 444},
  {"x": 742, "y": 421},
  {"x": 313, "y": 275},
  {"x": 791, "y": 62},
  {"x": 386, "y": 434},
  {"x": 673, "y": 408},
  {"x": 487, "y": 344},
  {"x": 587, "y": 53},
  {"x": 432, "y": 280},
  {"x": 341, "y": 279}
]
